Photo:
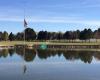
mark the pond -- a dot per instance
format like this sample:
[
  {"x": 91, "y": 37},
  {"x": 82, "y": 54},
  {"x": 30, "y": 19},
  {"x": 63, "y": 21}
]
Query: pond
[{"x": 32, "y": 64}]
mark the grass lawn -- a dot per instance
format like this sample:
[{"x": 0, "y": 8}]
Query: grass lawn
[{"x": 12, "y": 43}]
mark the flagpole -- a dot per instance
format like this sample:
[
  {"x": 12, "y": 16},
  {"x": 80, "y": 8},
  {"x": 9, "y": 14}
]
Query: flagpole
[
  {"x": 24, "y": 65},
  {"x": 24, "y": 35},
  {"x": 24, "y": 24}
]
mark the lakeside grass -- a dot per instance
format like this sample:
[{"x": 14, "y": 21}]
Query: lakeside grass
[{"x": 12, "y": 43}]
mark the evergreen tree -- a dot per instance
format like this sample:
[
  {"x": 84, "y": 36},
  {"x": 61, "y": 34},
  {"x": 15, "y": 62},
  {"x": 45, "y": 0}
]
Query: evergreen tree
[
  {"x": 11, "y": 37},
  {"x": 5, "y": 36}
]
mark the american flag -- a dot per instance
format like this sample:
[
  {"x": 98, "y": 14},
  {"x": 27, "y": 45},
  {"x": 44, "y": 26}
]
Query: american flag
[{"x": 25, "y": 23}]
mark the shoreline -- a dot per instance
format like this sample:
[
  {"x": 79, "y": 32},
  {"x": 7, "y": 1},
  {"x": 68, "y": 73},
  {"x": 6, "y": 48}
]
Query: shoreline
[
  {"x": 13, "y": 43},
  {"x": 50, "y": 45}
]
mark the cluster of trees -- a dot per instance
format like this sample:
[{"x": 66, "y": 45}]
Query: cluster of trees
[{"x": 30, "y": 35}]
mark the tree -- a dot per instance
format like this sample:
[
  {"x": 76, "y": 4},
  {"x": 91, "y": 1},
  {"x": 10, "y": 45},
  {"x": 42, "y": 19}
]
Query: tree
[
  {"x": 84, "y": 35},
  {"x": 53, "y": 35},
  {"x": 42, "y": 35},
  {"x": 1, "y": 36},
  {"x": 11, "y": 36},
  {"x": 97, "y": 34},
  {"x": 59, "y": 35},
  {"x": 49, "y": 35},
  {"x": 19, "y": 36},
  {"x": 78, "y": 34},
  {"x": 89, "y": 34},
  {"x": 68, "y": 35},
  {"x": 5, "y": 36},
  {"x": 30, "y": 34}
]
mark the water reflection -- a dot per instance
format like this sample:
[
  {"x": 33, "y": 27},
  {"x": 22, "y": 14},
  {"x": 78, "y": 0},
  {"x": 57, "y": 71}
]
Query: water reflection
[
  {"x": 30, "y": 54},
  {"x": 29, "y": 69}
]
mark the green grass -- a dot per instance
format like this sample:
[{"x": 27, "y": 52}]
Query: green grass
[{"x": 12, "y": 43}]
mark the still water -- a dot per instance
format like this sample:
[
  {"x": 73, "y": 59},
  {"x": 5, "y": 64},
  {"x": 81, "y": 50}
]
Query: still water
[{"x": 32, "y": 64}]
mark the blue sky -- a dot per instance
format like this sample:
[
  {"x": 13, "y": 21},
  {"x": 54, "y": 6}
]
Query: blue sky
[{"x": 50, "y": 15}]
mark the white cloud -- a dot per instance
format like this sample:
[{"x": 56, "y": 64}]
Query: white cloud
[{"x": 66, "y": 20}]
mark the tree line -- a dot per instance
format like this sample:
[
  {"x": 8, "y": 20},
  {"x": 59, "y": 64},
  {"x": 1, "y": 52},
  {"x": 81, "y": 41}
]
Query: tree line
[{"x": 31, "y": 35}]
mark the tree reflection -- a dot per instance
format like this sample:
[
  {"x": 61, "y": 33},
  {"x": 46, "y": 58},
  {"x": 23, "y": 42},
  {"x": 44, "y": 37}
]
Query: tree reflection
[
  {"x": 44, "y": 54},
  {"x": 30, "y": 54},
  {"x": 11, "y": 52},
  {"x": 86, "y": 56},
  {"x": 97, "y": 55},
  {"x": 71, "y": 55},
  {"x": 4, "y": 53}
]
